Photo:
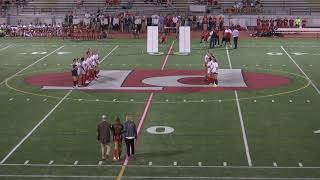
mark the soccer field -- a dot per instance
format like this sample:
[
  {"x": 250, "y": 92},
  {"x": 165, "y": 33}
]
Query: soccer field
[{"x": 263, "y": 132}]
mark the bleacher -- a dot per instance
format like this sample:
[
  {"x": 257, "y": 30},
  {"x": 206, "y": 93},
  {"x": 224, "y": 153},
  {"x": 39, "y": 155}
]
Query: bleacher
[
  {"x": 65, "y": 6},
  {"x": 275, "y": 7},
  {"x": 288, "y": 7}
]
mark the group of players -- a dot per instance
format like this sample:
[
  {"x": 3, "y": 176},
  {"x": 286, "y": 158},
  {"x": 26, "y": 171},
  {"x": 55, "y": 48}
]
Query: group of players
[
  {"x": 78, "y": 32},
  {"x": 85, "y": 68},
  {"x": 211, "y": 67}
]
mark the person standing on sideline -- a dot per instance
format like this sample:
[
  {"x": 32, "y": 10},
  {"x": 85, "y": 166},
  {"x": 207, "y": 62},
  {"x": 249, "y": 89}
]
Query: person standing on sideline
[
  {"x": 235, "y": 35},
  {"x": 117, "y": 129},
  {"x": 213, "y": 38},
  {"x": 130, "y": 134},
  {"x": 103, "y": 136}
]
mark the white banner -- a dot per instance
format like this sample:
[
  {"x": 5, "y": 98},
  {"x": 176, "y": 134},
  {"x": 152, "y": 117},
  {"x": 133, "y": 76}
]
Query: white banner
[
  {"x": 152, "y": 39},
  {"x": 184, "y": 39}
]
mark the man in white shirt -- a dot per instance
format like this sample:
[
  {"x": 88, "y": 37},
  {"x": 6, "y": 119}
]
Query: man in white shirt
[{"x": 235, "y": 35}]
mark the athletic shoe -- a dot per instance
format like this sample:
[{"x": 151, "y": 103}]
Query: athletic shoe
[{"x": 215, "y": 85}]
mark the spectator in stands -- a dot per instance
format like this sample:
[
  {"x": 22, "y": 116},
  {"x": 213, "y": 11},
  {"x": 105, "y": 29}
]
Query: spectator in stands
[
  {"x": 155, "y": 20},
  {"x": 161, "y": 23},
  {"x": 138, "y": 25},
  {"x": 115, "y": 24},
  {"x": 297, "y": 22},
  {"x": 175, "y": 21}
]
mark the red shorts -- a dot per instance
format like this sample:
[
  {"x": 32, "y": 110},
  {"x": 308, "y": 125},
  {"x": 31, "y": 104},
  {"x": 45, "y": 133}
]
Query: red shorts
[{"x": 117, "y": 139}]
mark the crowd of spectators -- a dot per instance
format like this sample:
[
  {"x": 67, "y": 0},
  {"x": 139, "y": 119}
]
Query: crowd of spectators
[
  {"x": 245, "y": 6},
  {"x": 31, "y": 30},
  {"x": 6, "y": 3},
  {"x": 267, "y": 26},
  {"x": 102, "y": 24}
]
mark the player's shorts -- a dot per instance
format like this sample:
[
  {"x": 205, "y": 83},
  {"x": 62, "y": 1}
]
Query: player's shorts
[
  {"x": 74, "y": 73},
  {"x": 118, "y": 139}
]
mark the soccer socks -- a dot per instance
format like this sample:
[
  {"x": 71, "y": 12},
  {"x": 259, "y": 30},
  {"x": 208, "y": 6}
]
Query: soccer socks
[
  {"x": 115, "y": 153},
  {"x": 215, "y": 81},
  {"x": 120, "y": 151}
]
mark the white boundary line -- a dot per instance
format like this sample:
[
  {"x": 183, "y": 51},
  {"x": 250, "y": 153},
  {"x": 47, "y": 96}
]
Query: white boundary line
[
  {"x": 244, "y": 135},
  {"x": 146, "y": 109},
  {"x": 167, "y": 57},
  {"x": 314, "y": 86},
  {"x": 104, "y": 58},
  {"x": 5, "y": 48},
  {"x": 49, "y": 113},
  {"x": 162, "y": 166},
  {"x": 35, "y": 127},
  {"x": 32, "y": 64},
  {"x": 152, "y": 177}
]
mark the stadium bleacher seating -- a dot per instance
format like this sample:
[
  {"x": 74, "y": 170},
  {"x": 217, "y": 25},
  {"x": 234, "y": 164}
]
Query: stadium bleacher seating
[{"x": 284, "y": 7}]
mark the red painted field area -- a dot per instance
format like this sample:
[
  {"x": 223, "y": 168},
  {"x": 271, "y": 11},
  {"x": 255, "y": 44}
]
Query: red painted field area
[{"x": 254, "y": 81}]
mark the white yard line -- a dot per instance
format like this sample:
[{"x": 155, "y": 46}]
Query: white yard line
[
  {"x": 314, "y": 86},
  {"x": 35, "y": 127},
  {"x": 162, "y": 166},
  {"x": 32, "y": 64},
  {"x": 105, "y": 57},
  {"x": 167, "y": 57},
  {"x": 5, "y": 48},
  {"x": 149, "y": 177},
  {"x": 146, "y": 109},
  {"x": 244, "y": 135}
]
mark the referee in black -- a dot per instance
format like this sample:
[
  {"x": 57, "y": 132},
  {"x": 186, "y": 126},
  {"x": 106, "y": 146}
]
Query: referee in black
[{"x": 235, "y": 35}]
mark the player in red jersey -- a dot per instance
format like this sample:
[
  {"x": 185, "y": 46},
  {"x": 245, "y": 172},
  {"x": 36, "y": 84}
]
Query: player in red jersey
[
  {"x": 204, "y": 36},
  {"x": 117, "y": 129},
  {"x": 164, "y": 38}
]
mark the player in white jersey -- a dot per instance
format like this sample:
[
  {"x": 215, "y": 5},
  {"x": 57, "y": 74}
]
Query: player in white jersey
[
  {"x": 206, "y": 59},
  {"x": 90, "y": 68},
  {"x": 208, "y": 70},
  {"x": 205, "y": 62},
  {"x": 84, "y": 71},
  {"x": 214, "y": 71},
  {"x": 96, "y": 63}
]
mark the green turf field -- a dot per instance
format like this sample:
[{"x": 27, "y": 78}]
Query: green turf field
[{"x": 253, "y": 134}]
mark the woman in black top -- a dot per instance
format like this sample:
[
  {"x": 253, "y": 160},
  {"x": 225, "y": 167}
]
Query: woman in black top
[{"x": 74, "y": 73}]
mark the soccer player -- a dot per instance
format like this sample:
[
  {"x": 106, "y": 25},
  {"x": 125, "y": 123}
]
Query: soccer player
[
  {"x": 84, "y": 71},
  {"x": 214, "y": 71},
  {"x": 205, "y": 62},
  {"x": 209, "y": 77},
  {"x": 117, "y": 129},
  {"x": 95, "y": 63},
  {"x": 227, "y": 36},
  {"x": 164, "y": 38},
  {"x": 74, "y": 73},
  {"x": 204, "y": 36}
]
